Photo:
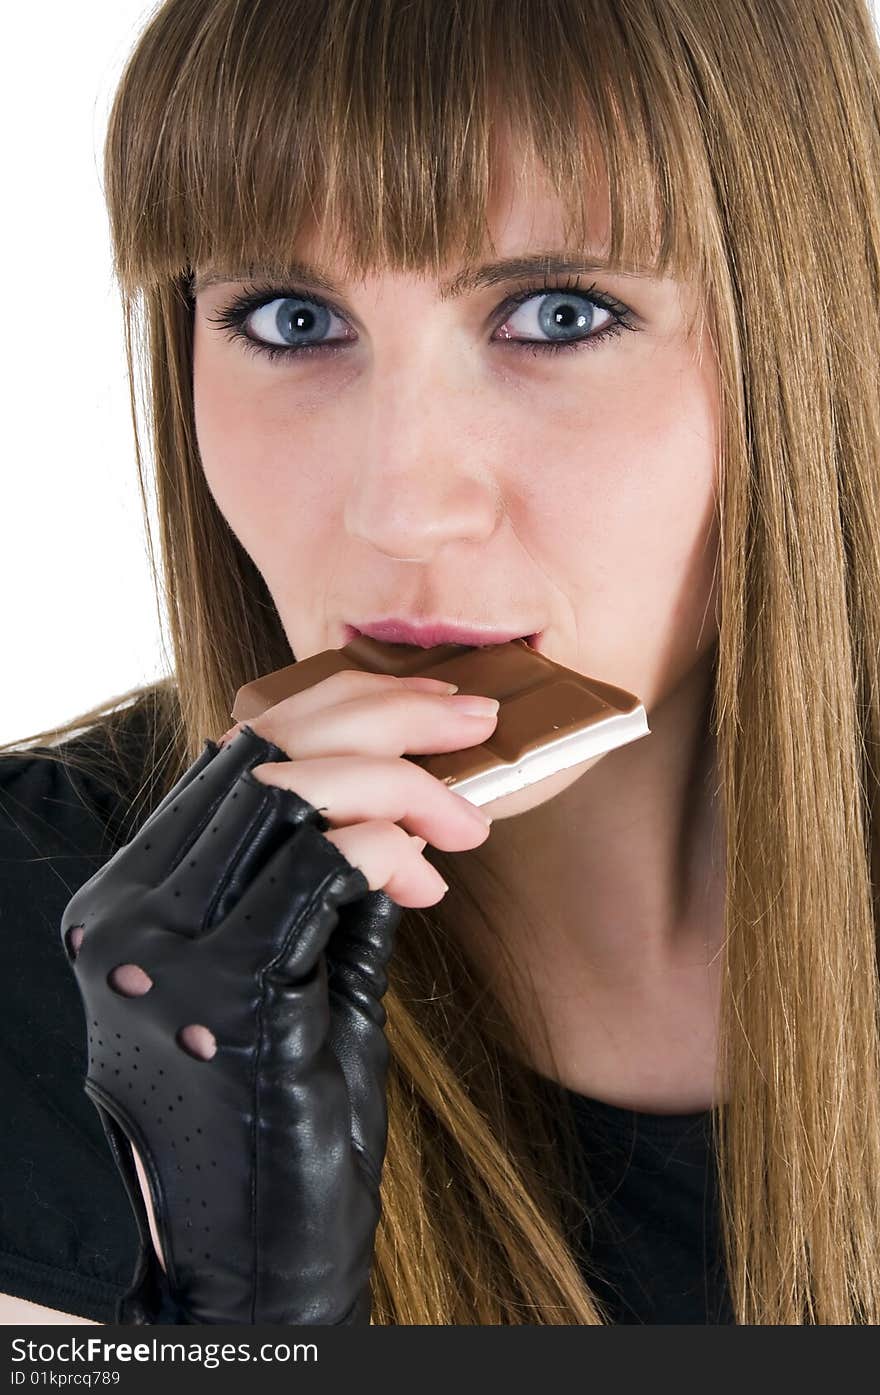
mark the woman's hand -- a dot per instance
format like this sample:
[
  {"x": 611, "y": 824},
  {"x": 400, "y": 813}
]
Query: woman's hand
[
  {"x": 348, "y": 734},
  {"x": 250, "y": 1075}
]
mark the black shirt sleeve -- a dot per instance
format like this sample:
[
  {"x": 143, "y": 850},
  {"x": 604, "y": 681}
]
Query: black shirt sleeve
[{"x": 68, "y": 1238}]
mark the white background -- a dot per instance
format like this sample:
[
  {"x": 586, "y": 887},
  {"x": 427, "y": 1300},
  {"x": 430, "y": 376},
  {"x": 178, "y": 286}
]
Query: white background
[{"x": 79, "y": 620}]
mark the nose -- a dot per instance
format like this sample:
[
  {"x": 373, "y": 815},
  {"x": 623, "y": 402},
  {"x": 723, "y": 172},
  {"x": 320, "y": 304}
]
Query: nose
[{"x": 423, "y": 476}]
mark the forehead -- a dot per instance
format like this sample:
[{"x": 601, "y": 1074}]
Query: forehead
[
  {"x": 524, "y": 206},
  {"x": 529, "y": 230},
  {"x": 523, "y": 210}
]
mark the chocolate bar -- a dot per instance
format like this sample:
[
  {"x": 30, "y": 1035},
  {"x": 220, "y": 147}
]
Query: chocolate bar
[{"x": 550, "y": 717}]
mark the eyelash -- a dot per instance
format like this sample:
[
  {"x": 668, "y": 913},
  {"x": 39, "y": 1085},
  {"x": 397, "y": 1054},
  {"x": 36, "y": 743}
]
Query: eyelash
[{"x": 231, "y": 319}]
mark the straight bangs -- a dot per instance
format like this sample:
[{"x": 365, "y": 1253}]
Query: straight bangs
[{"x": 242, "y": 126}]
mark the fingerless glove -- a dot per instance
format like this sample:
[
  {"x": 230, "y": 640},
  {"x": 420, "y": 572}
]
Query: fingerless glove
[{"x": 264, "y": 1161}]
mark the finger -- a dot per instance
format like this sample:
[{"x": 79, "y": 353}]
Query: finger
[
  {"x": 194, "y": 772},
  {"x": 278, "y": 720},
  {"x": 392, "y": 722},
  {"x": 379, "y": 851},
  {"x": 167, "y": 835},
  {"x": 203, "y": 861},
  {"x": 287, "y": 911},
  {"x": 417, "y": 682},
  {"x": 353, "y": 789},
  {"x": 358, "y": 955}
]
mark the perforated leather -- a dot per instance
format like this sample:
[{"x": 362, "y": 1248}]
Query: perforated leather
[{"x": 264, "y": 1161}]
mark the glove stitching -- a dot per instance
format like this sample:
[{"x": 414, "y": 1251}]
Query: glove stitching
[
  {"x": 254, "y": 1090},
  {"x": 307, "y": 912},
  {"x": 255, "y": 1080},
  {"x": 366, "y": 1165},
  {"x": 185, "y": 849},
  {"x": 331, "y": 877},
  {"x": 233, "y": 863}
]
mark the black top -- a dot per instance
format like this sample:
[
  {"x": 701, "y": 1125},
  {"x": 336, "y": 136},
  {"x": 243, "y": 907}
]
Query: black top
[
  {"x": 651, "y": 1234},
  {"x": 68, "y": 1238}
]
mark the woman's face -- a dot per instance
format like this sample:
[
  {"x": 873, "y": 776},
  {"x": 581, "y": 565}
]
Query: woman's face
[{"x": 430, "y": 466}]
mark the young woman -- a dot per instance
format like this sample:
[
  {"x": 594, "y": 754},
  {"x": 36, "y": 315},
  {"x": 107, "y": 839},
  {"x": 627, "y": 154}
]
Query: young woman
[{"x": 558, "y": 319}]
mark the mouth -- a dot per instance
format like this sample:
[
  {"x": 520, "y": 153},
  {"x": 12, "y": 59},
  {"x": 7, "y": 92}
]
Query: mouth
[{"x": 430, "y": 636}]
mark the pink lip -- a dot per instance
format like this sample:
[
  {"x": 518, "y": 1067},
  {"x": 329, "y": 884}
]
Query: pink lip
[{"x": 427, "y": 636}]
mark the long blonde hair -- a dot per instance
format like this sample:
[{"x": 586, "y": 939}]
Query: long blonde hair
[{"x": 752, "y": 130}]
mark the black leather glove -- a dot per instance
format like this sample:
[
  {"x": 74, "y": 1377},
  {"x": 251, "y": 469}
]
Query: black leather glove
[{"x": 264, "y": 1162}]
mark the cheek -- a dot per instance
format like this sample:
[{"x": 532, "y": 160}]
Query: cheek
[
  {"x": 661, "y": 509},
  {"x": 224, "y": 422},
  {"x": 261, "y": 462},
  {"x": 624, "y": 515}
]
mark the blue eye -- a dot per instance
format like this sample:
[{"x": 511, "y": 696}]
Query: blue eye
[
  {"x": 566, "y": 311},
  {"x": 297, "y": 322},
  {"x": 567, "y": 316}
]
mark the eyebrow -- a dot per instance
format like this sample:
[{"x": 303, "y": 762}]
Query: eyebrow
[{"x": 469, "y": 279}]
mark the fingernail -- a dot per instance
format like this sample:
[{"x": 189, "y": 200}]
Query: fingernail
[
  {"x": 431, "y": 685},
  {"x": 228, "y": 735},
  {"x": 472, "y": 705}
]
